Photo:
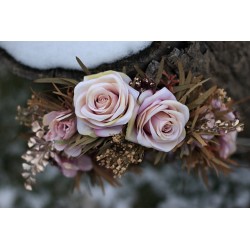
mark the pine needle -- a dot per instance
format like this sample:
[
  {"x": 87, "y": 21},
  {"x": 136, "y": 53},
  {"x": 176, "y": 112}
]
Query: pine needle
[
  {"x": 63, "y": 81},
  {"x": 190, "y": 91},
  {"x": 139, "y": 71},
  {"x": 159, "y": 72},
  {"x": 84, "y": 68}
]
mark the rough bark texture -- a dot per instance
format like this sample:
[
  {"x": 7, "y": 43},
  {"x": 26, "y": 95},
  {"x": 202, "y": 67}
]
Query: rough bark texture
[
  {"x": 153, "y": 52},
  {"x": 226, "y": 63}
]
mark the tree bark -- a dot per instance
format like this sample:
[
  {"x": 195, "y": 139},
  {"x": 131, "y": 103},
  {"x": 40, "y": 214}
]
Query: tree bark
[
  {"x": 228, "y": 66},
  {"x": 153, "y": 52},
  {"x": 226, "y": 63}
]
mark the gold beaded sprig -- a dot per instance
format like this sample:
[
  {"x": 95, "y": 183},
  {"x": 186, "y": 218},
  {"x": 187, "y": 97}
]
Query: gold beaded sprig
[{"x": 120, "y": 155}]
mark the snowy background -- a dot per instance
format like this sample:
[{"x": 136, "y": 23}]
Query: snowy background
[
  {"x": 163, "y": 186},
  {"x": 62, "y": 54}
]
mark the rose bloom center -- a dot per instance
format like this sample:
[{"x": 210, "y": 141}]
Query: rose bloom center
[
  {"x": 102, "y": 100},
  {"x": 167, "y": 128}
]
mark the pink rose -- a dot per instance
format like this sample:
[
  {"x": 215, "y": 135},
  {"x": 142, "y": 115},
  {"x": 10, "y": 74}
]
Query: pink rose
[
  {"x": 227, "y": 144},
  {"x": 70, "y": 167},
  {"x": 59, "y": 129},
  {"x": 159, "y": 122},
  {"x": 104, "y": 102}
]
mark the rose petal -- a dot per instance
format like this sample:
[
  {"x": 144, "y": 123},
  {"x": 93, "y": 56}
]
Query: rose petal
[
  {"x": 83, "y": 129},
  {"x": 144, "y": 95},
  {"x": 227, "y": 144},
  {"x": 70, "y": 173},
  {"x": 72, "y": 151},
  {"x": 84, "y": 163},
  {"x": 163, "y": 94},
  {"x": 59, "y": 146},
  {"x": 48, "y": 118},
  {"x": 129, "y": 112},
  {"x": 108, "y": 131},
  {"x": 183, "y": 109},
  {"x": 131, "y": 134}
]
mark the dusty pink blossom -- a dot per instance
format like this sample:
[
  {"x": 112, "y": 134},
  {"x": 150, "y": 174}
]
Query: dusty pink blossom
[
  {"x": 60, "y": 130},
  {"x": 71, "y": 166},
  {"x": 210, "y": 117},
  {"x": 220, "y": 106},
  {"x": 159, "y": 122},
  {"x": 210, "y": 122},
  {"x": 104, "y": 102},
  {"x": 227, "y": 144}
]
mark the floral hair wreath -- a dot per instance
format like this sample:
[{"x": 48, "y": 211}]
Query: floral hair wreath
[{"x": 108, "y": 124}]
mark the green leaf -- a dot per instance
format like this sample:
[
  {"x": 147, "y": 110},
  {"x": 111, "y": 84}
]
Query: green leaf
[
  {"x": 181, "y": 74},
  {"x": 220, "y": 163},
  {"x": 85, "y": 140},
  {"x": 124, "y": 70},
  {"x": 159, "y": 157},
  {"x": 63, "y": 81},
  {"x": 71, "y": 81},
  {"x": 159, "y": 72},
  {"x": 207, "y": 153},
  {"x": 92, "y": 145},
  {"x": 198, "y": 111},
  {"x": 181, "y": 81},
  {"x": 191, "y": 90},
  {"x": 182, "y": 87},
  {"x": 199, "y": 139},
  {"x": 84, "y": 68},
  {"x": 202, "y": 98},
  {"x": 189, "y": 78},
  {"x": 139, "y": 71},
  {"x": 195, "y": 119}
]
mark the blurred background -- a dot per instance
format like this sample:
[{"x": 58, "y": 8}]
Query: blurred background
[{"x": 161, "y": 186}]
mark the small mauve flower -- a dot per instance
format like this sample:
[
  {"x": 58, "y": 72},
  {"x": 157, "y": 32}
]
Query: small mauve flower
[
  {"x": 227, "y": 144},
  {"x": 159, "y": 122},
  {"x": 60, "y": 130},
  {"x": 210, "y": 117},
  {"x": 71, "y": 166},
  {"x": 210, "y": 122},
  {"x": 220, "y": 106},
  {"x": 104, "y": 103}
]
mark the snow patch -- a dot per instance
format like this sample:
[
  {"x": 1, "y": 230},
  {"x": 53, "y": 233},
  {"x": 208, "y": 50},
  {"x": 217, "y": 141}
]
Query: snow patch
[
  {"x": 48, "y": 55},
  {"x": 7, "y": 197}
]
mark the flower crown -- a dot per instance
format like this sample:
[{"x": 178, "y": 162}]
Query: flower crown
[{"x": 108, "y": 124}]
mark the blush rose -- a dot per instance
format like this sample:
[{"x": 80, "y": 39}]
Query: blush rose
[
  {"x": 159, "y": 122},
  {"x": 104, "y": 102},
  {"x": 61, "y": 130}
]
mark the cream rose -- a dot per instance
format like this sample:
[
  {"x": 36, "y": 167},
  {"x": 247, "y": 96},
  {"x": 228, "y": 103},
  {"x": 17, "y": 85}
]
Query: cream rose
[
  {"x": 159, "y": 122},
  {"x": 104, "y": 102}
]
